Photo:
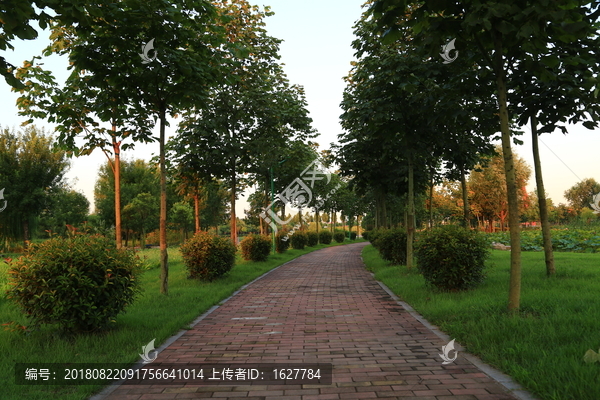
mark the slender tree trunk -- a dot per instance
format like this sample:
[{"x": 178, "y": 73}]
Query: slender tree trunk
[
  {"x": 233, "y": 223},
  {"x": 410, "y": 227},
  {"x": 164, "y": 255},
  {"x": 317, "y": 219},
  {"x": 197, "y": 212},
  {"x": 514, "y": 295},
  {"x": 541, "y": 194},
  {"x": 465, "y": 196},
  {"x": 117, "y": 174},
  {"x": 143, "y": 239},
  {"x": 431, "y": 204}
]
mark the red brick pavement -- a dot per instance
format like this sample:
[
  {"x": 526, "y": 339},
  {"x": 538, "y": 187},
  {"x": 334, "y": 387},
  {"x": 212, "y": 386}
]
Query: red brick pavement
[{"x": 322, "y": 307}]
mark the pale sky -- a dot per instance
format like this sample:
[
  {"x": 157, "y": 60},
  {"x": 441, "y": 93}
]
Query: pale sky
[{"x": 317, "y": 53}]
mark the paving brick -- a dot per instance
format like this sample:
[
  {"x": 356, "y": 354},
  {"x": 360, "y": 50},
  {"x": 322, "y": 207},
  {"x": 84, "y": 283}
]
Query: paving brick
[{"x": 321, "y": 307}]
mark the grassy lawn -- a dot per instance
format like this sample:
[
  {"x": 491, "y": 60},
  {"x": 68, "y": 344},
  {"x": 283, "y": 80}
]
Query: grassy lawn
[
  {"x": 151, "y": 316},
  {"x": 542, "y": 348}
]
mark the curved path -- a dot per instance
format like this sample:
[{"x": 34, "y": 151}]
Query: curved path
[{"x": 322, "y": 307}]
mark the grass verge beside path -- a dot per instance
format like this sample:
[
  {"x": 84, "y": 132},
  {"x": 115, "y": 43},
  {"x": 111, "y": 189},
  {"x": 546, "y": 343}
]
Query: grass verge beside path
[
  {"x": 543, "y": 347},
  {"x": 151, "y": 316}
]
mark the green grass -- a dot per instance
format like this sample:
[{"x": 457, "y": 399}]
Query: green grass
[
  {"x": 151, "y": 316},
  {"x": 543, "y": 347}
]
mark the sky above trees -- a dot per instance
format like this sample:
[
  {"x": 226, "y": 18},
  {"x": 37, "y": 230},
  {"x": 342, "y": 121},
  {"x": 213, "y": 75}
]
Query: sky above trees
[{"x": 317, "y": 53}]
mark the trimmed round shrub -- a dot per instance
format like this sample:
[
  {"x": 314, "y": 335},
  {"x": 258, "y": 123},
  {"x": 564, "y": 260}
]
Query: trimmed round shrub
[
  {"x": 299, "y": 240},
  {"x": 365, "y": 235},
  {"x": 282, "y": 242},
  {"x": 352, "y": 235},
  {"x": 452, "y": 258},
  {"x": 256, "y": 247},
  {"x": 325, "y": 237},
  {"x": 391, "y": 244},
  {"x": 339, "y": 237},
  {"x": 207, "y": 256},
  {"x": 312, "y": 239},
  {"x": 80, "y": 283}
]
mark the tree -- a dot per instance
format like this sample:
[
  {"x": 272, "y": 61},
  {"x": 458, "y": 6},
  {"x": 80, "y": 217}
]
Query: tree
[
  {"x": 31, "y": 169},
  {"x": 502, "y": 33},
  {"x": 137, "y": 176},
  {"x": 139, "y": 212},
  {"x": 581, "y": 194},
  {"x": 489, "y": 188},
  {"x": 64, "y": 206},
  {"x": 182, "y": 216},
  {"x": 247, "y": 120}
]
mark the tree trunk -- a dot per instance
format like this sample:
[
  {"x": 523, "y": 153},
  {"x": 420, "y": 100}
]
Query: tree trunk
[
  {"x": 541, "y": 194},
  {"x": 117, "y": 174},
  {"x": 197, "y": 211},
  {"x": 431, "y": 204},
  {"x": 465, "y": 196},
  {"x": 317, "y": 220},
  {"x": 233, "y": 223},
  {"x": 164, "y": 255},
  {"x": 410, "y": 227},
  {"x": 143, "y": 239},
  {"x": 26, "y": 231},
  {"x": 514, "y": 295}
]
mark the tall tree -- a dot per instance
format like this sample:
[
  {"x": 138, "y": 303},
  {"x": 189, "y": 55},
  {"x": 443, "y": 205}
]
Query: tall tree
[{"x": 31, "y": 169}]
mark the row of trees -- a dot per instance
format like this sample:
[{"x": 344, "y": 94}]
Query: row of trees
[
  {"x": 410, "y": 119},
  {"x": 215, "y": 67}
]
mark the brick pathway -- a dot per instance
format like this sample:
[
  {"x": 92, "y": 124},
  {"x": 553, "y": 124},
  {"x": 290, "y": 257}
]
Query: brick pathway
[{"x": 322, "y": 307}]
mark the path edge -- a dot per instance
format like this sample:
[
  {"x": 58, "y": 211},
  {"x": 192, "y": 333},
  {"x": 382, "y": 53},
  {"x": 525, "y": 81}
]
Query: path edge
[
  {"x": 505, "y": 380},
  {"x": 106, "y": 391}
]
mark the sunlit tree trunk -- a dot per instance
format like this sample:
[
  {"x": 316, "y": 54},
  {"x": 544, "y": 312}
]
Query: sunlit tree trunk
[{"x": 514, "y": 295}]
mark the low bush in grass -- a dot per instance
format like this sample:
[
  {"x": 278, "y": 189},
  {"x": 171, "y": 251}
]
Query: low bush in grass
[
  {"x": 339, "y": 237},
  {"x": 207, "y": 256},
  {"x": 365, "y": 235},
  {"x": 282, "y": 242},
  {"x": 80, "y": 283},
  {"x": 256, "y": 247},
  {"x": 352, "y": 235},
  {"x": 452, "y": 258},
  {"x": 391, "y": 244},
  {"x": 312, "y": 238},
  {"x": 325, "y": 237},
  {"x": 374, "y": 235},
  {"x": 299, "y": 240}
]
